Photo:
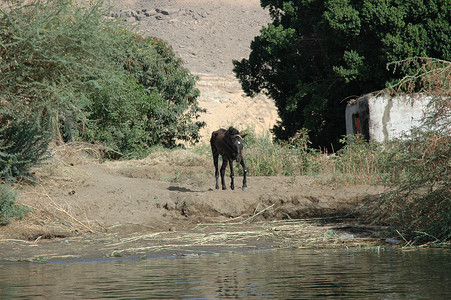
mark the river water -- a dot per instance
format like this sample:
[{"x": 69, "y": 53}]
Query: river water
[{"x": 275, "y": 274}]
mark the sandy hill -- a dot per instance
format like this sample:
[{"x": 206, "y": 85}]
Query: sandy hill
[{"x": 208, "y": 36}]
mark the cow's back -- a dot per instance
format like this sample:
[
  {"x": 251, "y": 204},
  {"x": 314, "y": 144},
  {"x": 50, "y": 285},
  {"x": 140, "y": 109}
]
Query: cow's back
[
  {"x": 217, "y": 141},
  {"x": 216, "y": 135}
]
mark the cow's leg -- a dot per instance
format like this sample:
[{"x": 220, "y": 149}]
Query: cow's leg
[
  {"x": 215, "y": 161},
  {"x": 232, "y": 175},
  {"x": 244, "y": 174},
  {"x": 223, "y": 167}
]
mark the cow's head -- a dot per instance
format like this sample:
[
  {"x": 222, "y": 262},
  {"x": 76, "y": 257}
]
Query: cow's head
[{"x": 237, "y": 143}]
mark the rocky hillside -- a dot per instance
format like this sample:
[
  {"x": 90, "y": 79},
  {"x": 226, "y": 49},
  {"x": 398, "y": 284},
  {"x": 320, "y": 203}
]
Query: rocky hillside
[{"x": 208, "y": 35}]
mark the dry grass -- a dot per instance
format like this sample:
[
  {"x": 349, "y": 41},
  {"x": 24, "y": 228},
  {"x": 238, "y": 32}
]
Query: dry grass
[
  {"x": 166, "y": 157},
  {"x": 76, "y": 153},
  {"x": 306, "y": 233},
  {"x": 50, "y": 218}
]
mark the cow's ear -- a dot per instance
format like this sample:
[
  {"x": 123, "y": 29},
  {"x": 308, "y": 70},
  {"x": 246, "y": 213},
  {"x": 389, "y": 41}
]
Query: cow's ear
[{"x": 243, "y": 135}]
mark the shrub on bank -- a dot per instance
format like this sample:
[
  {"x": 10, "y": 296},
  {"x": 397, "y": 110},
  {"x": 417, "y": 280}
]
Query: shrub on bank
[
  {"x": 83, "y": 76},
  {"x": 8, "y": 209},
  {"x": 22, "y": 146},
  {"x": 418, "y": 203}
]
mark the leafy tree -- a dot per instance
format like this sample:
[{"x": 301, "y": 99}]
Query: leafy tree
[
  {"x": 49, "y": 50},
  {"x": 316, "y": 54},
  {"x": 151, "y": 100},
  {"x": 171, "y": 87}
]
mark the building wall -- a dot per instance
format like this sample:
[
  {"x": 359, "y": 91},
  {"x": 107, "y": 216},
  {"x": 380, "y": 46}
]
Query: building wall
[{"x": 384, "y": 118}]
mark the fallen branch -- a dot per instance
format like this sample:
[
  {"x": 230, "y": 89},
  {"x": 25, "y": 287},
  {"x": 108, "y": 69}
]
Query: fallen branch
[{"x": 248, "y": 220}]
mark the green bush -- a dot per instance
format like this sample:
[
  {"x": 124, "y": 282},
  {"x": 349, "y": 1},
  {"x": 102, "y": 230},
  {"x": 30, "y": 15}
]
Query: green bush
[
  {"x": 49, "y": 51},
  {"x": 119, "y": 117},
  {"x": 63, "y": 63},
  {"x": 170, "y": 87},
  {"x": 8, "y": 209},
  {"x": 22, "y": 146}
]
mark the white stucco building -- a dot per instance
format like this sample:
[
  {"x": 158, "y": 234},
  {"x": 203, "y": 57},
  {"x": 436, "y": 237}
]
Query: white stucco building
[{"x": 382, "y": 118}]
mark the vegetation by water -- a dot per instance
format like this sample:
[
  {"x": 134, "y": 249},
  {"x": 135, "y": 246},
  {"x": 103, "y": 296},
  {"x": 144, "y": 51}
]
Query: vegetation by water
[
  {"x": 419, "y": 203},
  {"x": 8, "y": 208},
  {"x": 416, "y": 172},
  {"x": 416, "y": 168},
  {"x": 70, "y": 74}
]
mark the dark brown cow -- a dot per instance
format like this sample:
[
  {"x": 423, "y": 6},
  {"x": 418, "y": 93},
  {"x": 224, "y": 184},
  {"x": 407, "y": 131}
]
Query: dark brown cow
[{"x": 229, "y": 144}]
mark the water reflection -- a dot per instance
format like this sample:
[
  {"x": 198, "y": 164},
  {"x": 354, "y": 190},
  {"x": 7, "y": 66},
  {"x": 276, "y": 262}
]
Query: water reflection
[{"x": 283, "y": 274}]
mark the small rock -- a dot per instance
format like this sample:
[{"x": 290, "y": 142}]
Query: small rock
[
  {"x": 392, "y": 241},
  {"x": 347, "y": 236},
  {"x": 162, "y": 11}
]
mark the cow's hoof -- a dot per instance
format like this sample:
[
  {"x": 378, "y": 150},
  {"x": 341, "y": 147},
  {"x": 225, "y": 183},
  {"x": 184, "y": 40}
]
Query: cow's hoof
[{"x": 244, "y": 188}]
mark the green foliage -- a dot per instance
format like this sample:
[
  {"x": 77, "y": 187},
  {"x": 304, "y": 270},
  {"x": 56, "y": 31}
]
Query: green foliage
[
  {"x": 63, "y": 63},
  {"x": 317, "y": 53},
  {"x": 118, "y": 116},
  {"x": 172, "y": 90},
  {"x": 8, "y": 209},
  {"x": 48, "y": 53},
  {"x": 22, "y": 146}
]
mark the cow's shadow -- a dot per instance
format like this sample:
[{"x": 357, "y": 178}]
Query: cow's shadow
[{"x": 180, "y": 189}]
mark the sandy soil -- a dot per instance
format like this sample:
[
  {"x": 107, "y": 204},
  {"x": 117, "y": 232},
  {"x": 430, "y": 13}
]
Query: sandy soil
[{"x": 166, "y": 203}]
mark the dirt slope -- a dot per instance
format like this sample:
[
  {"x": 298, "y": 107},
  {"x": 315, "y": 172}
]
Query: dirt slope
[{"x": 207, "y": 35}]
